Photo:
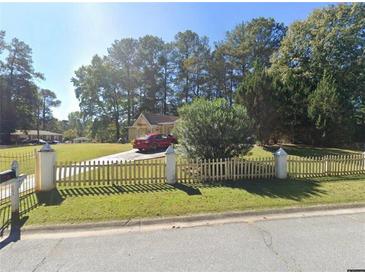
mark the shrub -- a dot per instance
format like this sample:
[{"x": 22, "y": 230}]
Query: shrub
[{"x": 212, "y": 129}]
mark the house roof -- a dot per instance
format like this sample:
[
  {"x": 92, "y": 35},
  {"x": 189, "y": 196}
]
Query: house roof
[
  {"x": 34, "y": 132},
  {"x": 156, "y": 119},
  {"x": 81, "y": 139}
]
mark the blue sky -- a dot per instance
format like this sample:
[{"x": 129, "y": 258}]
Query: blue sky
[{"x": 65, "y": 36}]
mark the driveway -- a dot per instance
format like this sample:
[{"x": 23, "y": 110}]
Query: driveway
[
  {"x": 130, "y": 155},
  {"x": 322, "y": 243}
]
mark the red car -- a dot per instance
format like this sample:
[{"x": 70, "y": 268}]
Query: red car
[{"x": 154, "y": 141}]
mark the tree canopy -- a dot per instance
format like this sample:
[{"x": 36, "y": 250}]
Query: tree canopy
[
  {"x": 301, "y": 83},
  {"x": 21, "y": 100}
]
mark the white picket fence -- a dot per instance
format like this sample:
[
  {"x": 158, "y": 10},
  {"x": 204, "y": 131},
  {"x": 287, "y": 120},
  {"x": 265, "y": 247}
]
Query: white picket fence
[
  {"x": 110, "y": 172},
  {"x": 206, "y": 170},
  {"x": 331, "y": 165},
  {"x": 225, "y": 169}
]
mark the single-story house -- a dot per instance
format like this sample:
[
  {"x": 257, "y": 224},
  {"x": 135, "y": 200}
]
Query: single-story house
[
  {"x": 81, "y": 140},
  {"x": 151, "y": 123},
  {"x": 32, "y": 134}
]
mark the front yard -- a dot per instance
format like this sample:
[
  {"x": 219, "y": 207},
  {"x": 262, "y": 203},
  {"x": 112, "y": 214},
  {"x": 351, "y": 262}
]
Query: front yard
[
  {"x": 74, "y": 152},
  {"x": 101, "y": 203},
  {"x": 76, "y": 204}
]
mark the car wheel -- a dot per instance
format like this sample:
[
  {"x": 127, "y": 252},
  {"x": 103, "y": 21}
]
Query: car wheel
[{"x": 154, "y": 147}]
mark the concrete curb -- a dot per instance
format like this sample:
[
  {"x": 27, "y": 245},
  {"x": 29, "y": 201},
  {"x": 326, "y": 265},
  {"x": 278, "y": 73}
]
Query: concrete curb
[{"x": 208, "y": 217}]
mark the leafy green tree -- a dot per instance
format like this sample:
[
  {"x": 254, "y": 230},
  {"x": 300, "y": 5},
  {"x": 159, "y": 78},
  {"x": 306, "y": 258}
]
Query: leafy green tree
[
  {"x": 167, "y": 73},
  {"x": 324, "y": 106},
  {"x": 48, "y": 100},
  {"x": 18, "y": 91},
  {"x": 190, "y": 55},
  {"x": 150, "y": 50},
  {"x": 254, "y": 41},
  {"x": 212, "y": 129},
  {"x": 69, "y": 134},
  {"x": 97, "y": 87},
  {"x": 78, "y": 122},
  {"x": 123, "y": 55},
  {"x": 248, "y": 43},
  {"x": 330, "y": 39},
  {"x": 258, "y": 95},
  {"x": 221, "y": 81}
]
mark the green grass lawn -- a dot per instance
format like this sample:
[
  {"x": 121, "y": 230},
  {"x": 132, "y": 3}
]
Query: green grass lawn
[
  {"x": 85, "y": 204},
  {"x": 75, "y": 152},
  {"x": 298, "y": 150}
]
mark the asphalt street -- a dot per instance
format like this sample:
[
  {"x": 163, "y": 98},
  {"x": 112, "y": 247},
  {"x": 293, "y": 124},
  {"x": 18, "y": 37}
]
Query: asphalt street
[{"x": 322, "y": 243}]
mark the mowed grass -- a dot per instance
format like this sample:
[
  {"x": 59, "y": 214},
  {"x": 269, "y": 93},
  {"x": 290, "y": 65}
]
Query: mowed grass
[
  {"x": 74, "y": 152},
  {"x": 298, "y": 150},
  {"x": 92, "y": 204}
]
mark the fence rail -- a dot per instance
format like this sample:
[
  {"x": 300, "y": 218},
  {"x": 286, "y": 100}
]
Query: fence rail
[
  {"x": 110, "y": 172},
  {"x": 225, "y": 169}
]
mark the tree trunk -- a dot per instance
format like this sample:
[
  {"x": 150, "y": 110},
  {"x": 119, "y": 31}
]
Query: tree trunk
[
  {"x": 165, "y": 93},
  {"x": 117, "y": 127},
  {"x": 44, "y": 114},
  {"x": 38, "y": 118},
  {"x": 129, "y": 99}
]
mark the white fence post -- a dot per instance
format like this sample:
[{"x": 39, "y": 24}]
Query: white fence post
[
  {"x": 46, "y": 179},
  {"x": 363, "y": 156},
  {"x": 281, "y": 164},
  {"x": 170, "y": 160},
  {"x": 14, "y": 195}
]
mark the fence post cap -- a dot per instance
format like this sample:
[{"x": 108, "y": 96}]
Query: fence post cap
[
  {"x": 280, "y": 152},
  {"x": 46, "y": 148},
  {"x": 170, "y": 150},
  {"x": 15, "y": 167}
]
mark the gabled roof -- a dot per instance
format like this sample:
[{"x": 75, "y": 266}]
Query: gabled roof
[
  {"x": 156, "y": 119},
  {"x": 34, "y": 132}
]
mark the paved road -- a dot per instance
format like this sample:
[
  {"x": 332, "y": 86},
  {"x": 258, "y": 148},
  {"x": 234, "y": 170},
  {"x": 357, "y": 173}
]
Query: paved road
[{"x": 326, "y": 243}]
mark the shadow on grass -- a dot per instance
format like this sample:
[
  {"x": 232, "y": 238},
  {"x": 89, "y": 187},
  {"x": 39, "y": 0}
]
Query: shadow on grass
[
  {"x": 190, "y": 190},
  {"x": 28, "y": 202},
  {"x": 307, "y": 151},
  {"x": 77, "y": 191},
  {"x": 288, "y": 189},
  {"x": 49, "y": 198}
]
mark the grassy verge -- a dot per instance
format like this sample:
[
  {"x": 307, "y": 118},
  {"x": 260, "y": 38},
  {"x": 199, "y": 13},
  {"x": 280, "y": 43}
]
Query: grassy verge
[{"x": 85, "y": 204}]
